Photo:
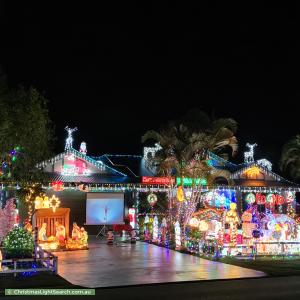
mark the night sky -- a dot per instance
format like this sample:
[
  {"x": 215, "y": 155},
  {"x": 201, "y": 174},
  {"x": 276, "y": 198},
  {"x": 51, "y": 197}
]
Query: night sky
[{"x": 115, "y": 72}]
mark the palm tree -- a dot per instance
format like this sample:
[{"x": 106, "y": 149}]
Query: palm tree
[
  {"x": 290, "y": 158},
  {"x": 185, "y": 151}
]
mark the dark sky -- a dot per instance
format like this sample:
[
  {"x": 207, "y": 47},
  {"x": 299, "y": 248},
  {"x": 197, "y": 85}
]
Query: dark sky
[{"x": 117, "y": 71}]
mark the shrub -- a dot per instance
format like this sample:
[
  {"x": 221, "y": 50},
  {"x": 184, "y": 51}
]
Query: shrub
[{"x": 18, "y": 243}]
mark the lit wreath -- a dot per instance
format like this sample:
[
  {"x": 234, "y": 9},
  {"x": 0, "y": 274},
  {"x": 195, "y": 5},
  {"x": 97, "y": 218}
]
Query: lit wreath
[{"x": 152, "y": 199}]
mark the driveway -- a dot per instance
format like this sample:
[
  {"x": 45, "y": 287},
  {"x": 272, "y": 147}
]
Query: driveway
[{"x": 140, "y": 263}]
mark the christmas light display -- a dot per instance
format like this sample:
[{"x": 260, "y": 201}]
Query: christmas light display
[
  {"x": 155, "y": 230},
  {"x": 177, "y": 235},
  {"x": 149, "y": 152},
  {"x": 249, "y": 155},
  {"x": 217, "y": 198},
  {"x": 8, "y": 162},
  {"x": 241, "y": 172},
  {"x": 18, "y": 243},
  {"x": 252, "y": 172},
  {"x": 157, "y": 180},
  {"x": 180, "y": 194},
  {"x": 54, "y": 203},
  {"x": 265, "y": 164},
  {"x": 42, "y": 201},
  {"x": 191, "y": 181},
  {"x": 69, "y": 139},
  {"x": 132, "y": 217},
  {"x": 270, "y": 198},
  {"x": 163, "y": 231},
  {"x": 83, "y": 148},
  {"x": 203, "y": 225},
  {"x": 232, "y": 219},
  {"x": 152, "y": 199},
  {"x": 194, "y": 222},
  {"x": 250, "y": 198},
  {"x": 7, "y": 218},
  {"x": 74, "y": 167},
  {"x": 57, "y": 186},
  {"x": 279, "y": 235}
]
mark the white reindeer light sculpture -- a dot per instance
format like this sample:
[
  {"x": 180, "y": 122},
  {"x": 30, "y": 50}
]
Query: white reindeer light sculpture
[
  {"x": 249, "y": 155},
  {"x": 69, "y": 140}
]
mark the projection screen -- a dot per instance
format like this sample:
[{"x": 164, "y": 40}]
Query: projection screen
[{"x": 104, "y": 208}]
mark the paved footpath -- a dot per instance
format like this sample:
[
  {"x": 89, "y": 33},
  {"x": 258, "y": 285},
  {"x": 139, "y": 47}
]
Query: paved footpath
[{"x": 140, "y": 263}]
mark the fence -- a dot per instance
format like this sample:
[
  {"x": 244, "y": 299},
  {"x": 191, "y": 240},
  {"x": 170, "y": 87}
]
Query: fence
[
  {"x": 44, "y": 262},
  {"x": 276, "y": 249}
]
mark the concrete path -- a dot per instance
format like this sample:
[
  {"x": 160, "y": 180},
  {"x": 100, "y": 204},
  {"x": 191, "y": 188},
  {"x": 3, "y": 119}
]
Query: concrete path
[{"x": 126, "y": 264}]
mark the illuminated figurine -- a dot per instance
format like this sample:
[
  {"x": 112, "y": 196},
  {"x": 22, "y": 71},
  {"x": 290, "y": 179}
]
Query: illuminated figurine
[
  {"x": 83, "y": 148},
  {"x": 84, "y": 237},
  {"x": 28, "y": 226},
  {"x": 249, "y": 155},
  {"x": 110, "y": 238},
  {"x": 60, "y": 233},
  {"x": 76, "y": 233},
  {"x": 42, "y": 233},
  {"x": 177, "y": 236},
  {"x": 163, "y": 229},
  {"x": 69, "y": 140},
  {"x": 231, "y": 222}
]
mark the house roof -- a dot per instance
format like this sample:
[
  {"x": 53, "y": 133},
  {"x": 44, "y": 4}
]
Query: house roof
[
  {"x": 118, "y": 168},
  {"x": 93, "y": 178},
  {"x": 98, "y": 164},
  {"x": 132, "y": 165}
]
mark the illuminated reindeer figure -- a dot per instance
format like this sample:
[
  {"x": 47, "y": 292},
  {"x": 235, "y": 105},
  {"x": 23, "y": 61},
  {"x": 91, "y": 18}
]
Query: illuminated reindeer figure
[
  {"x": 249, "y": 155},
  {"x": 69, "y": 140}
]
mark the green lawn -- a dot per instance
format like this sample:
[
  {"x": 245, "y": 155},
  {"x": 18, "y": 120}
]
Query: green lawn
[{"x": 271, "y": 266}]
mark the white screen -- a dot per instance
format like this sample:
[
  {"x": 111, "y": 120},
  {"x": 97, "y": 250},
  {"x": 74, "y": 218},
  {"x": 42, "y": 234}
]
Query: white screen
[{"x": 104, "y": 208}]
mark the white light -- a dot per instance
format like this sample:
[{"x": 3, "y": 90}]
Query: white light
[
  {"x": 265, "y": 163},
  {"x": 151, "y": 150},
  {"x": 83, "y": 148},
  {"x": 249, "y": 155},
  {"x": 177, "y": 235},
  {"x": 155, "y": 229},
  {"x": 69, "y": 139}
]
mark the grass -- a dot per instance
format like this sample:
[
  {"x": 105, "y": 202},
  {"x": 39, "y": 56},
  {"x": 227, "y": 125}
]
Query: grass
[{"x": 270, "y": 266}]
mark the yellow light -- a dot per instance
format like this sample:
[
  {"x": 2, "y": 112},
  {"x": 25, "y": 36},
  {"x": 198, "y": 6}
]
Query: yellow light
[
  {"x": 180, "y": 194},
  {"x": 232, "y": 206},
  {"x": 54, "y": 203},
  {"x": 194, "y": 222},
  {"x": 203, "y": 225},
  {"x": 253, "y": 171}
]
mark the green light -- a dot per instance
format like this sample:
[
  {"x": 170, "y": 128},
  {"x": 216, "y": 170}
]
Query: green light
[
  {"x": 209, "y": 162},
  {"x": 189, "y": 181},
  {"x": 14, "y": 158}
]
